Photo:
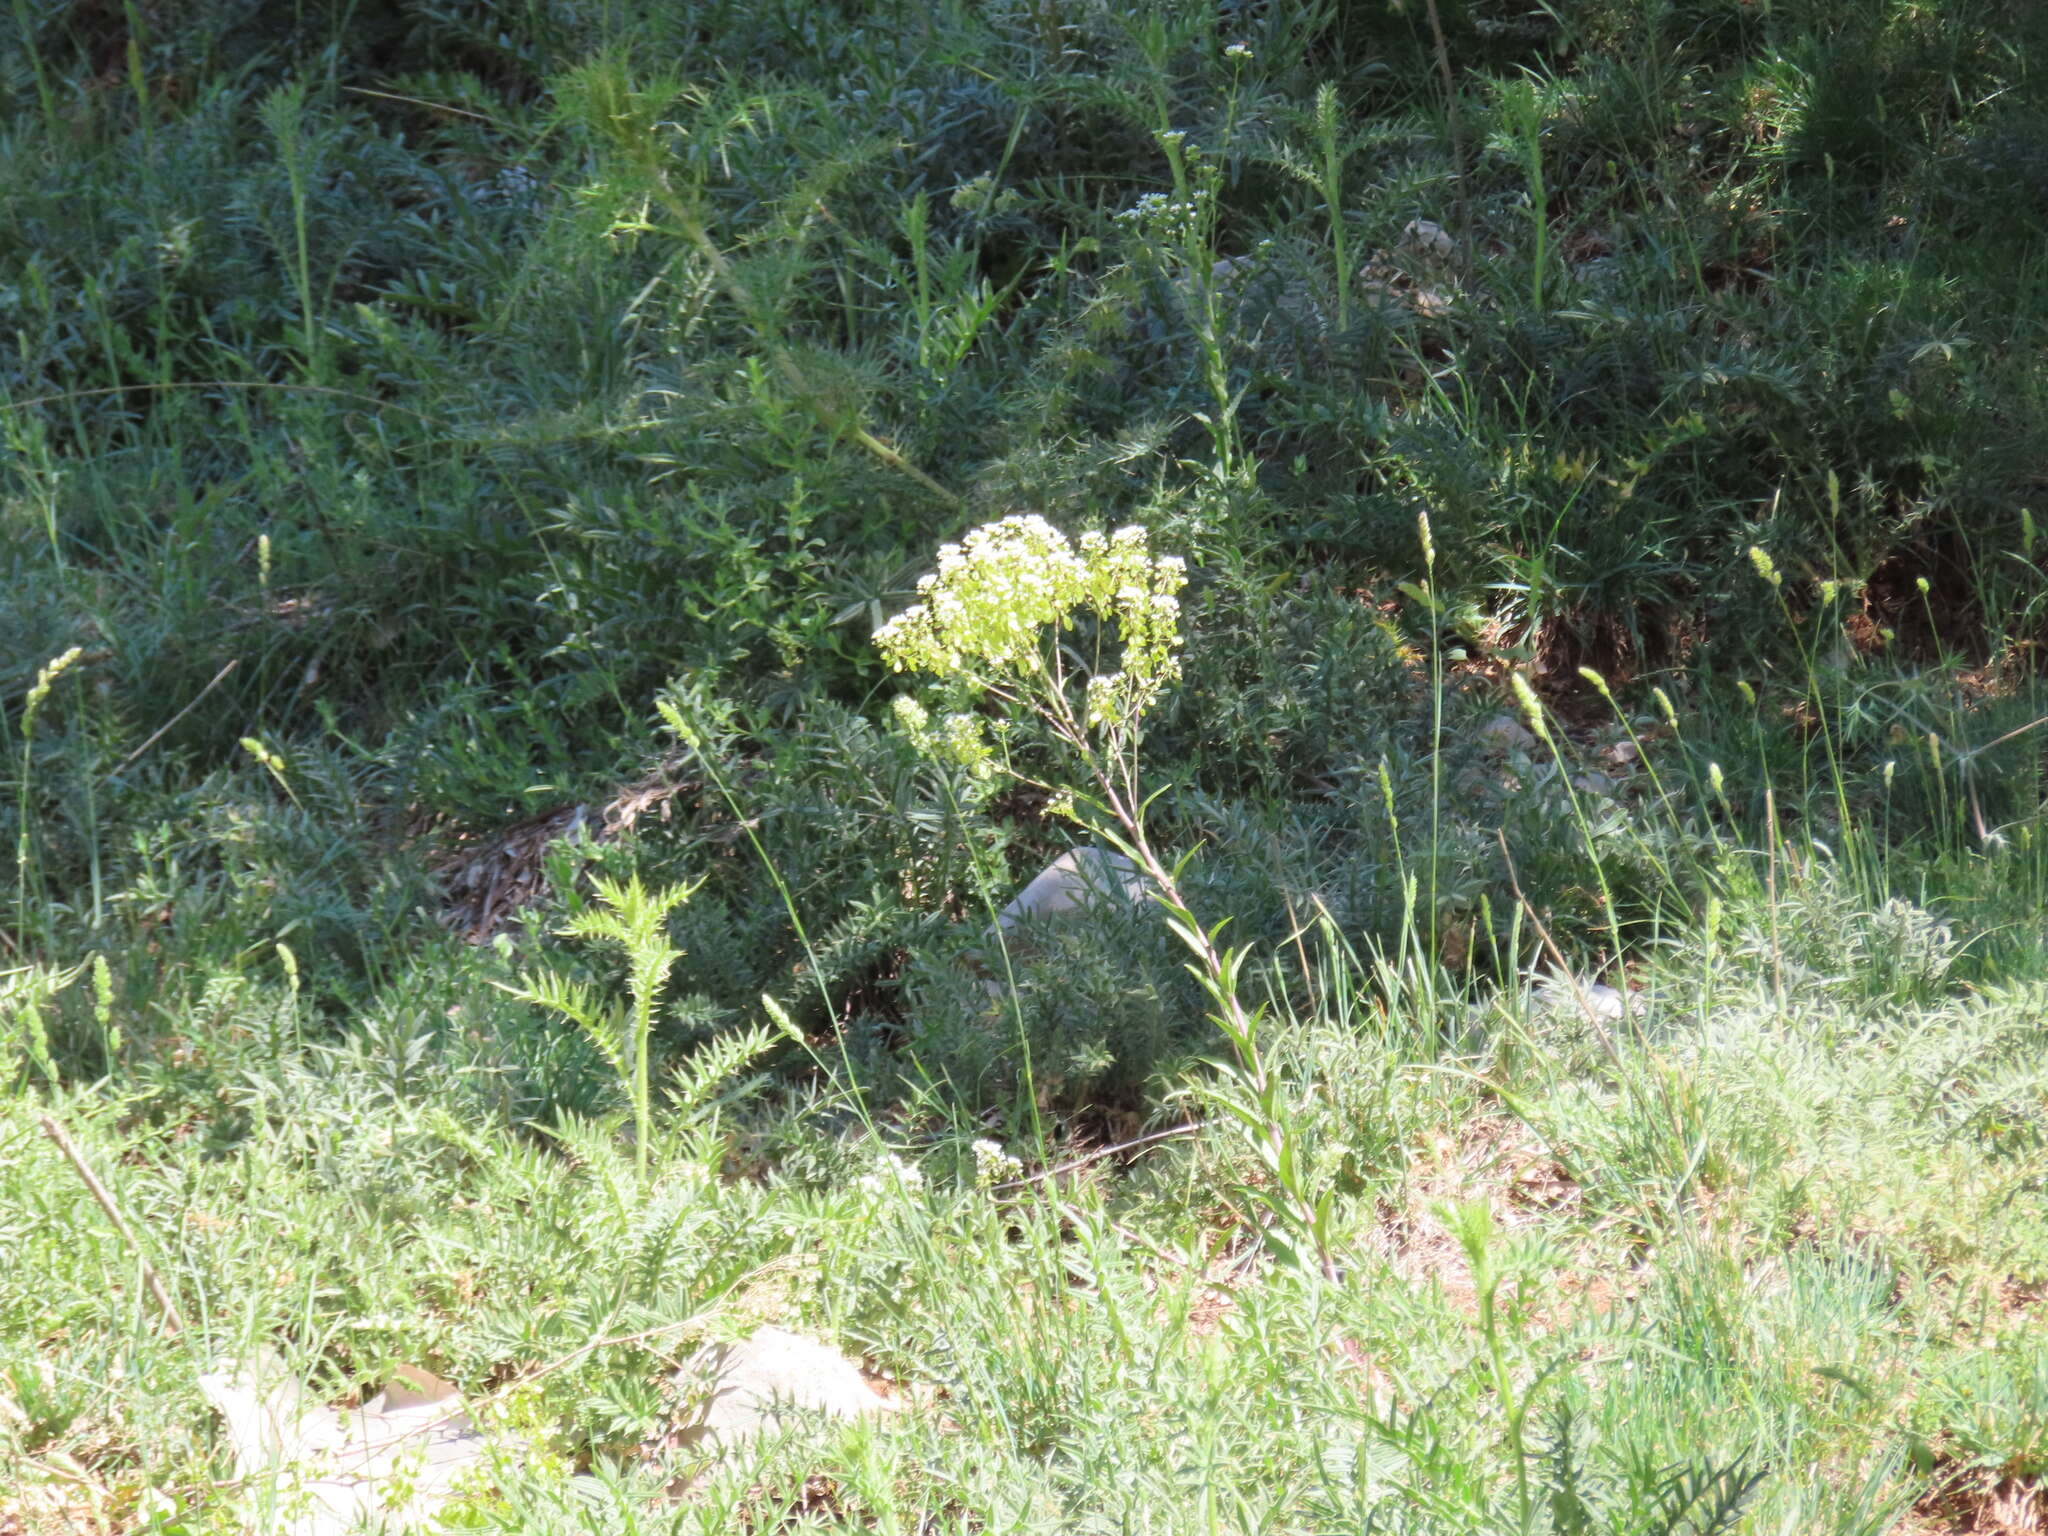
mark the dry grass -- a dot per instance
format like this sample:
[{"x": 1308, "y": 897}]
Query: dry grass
[
  {"x": 1499, "y": 1162},
  {"x": 489, "y": 879}
]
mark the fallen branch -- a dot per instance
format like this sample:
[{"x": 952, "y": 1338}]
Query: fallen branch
[
  {"x": 1097, "y": 1156},
  {"x": 174, "y": 1321}
]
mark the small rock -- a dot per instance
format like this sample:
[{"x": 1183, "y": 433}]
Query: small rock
[
  {"x": 1593, "y": 783},
  {"x": 1081, "y": 877},
  {"x": 1622, "y": 753},
  {"x": 769, "y": 1378},
  {"x": 1426, "y": 237},
  {"x": 1508, "y": 732}
]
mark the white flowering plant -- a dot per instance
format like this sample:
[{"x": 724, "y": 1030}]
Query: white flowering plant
[
  {"x": 1176, "y": 235},
  {"x": 996, "y": 617}
]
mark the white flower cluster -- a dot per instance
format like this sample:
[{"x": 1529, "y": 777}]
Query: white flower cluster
[
  {"x": 991, "y": 596},
  {"x": 984, "y": 613},
  {"x": 891, "y": 1174},
  {"x": 992, "y": 1165},
  {"x": 1238, "y": 51}
]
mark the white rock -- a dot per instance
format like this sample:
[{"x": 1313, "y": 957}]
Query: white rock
[
  {"x": 395, "y": 1461},
  {"x": 771, "y": 1379},
  {"x": 1605, "y": 1002},
  {"x": 1081, "y": 877}
]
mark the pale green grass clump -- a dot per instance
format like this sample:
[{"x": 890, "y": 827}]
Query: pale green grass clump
[{"x": 1750, "y": 1251}]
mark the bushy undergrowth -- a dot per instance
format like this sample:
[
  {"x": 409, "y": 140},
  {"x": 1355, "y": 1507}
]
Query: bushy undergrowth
[{"x": 454, "y": 463}]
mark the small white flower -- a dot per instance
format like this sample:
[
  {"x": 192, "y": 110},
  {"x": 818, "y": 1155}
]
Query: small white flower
[{"x": 1238, "y": 51}]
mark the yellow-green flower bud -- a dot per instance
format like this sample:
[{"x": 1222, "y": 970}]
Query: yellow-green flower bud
[
  {"x": 1532, "y": 707},
  {"x": 46, "y": 679}
]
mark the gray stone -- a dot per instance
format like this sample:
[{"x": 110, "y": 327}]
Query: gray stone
[
  {"x": 1605, "y": 1001},
  {"x": 1079, "y": 878},
  {"x": 1506, "y": 731},
  {"x": 1426, "y": 237},
  {"x": 1606, "y": 1005}
]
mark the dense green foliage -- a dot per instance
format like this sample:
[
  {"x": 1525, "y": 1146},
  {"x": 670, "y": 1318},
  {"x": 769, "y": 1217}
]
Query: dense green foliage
[{"x": 454, "y": 460}]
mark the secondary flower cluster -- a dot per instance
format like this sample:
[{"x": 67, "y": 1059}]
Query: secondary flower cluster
[
  {"x": 992, "y": 1165},
  {"x": 1164, "y": 218},
  {"x": 957, "y": 739},
  {"x": 983, "y": 614},
  {"x": 890, "y": 1173}
]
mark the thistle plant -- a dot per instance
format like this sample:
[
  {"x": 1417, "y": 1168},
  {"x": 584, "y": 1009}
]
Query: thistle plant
[
  {"x": 998, "y": 618},
  {"x": 628, "y": 914}
]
